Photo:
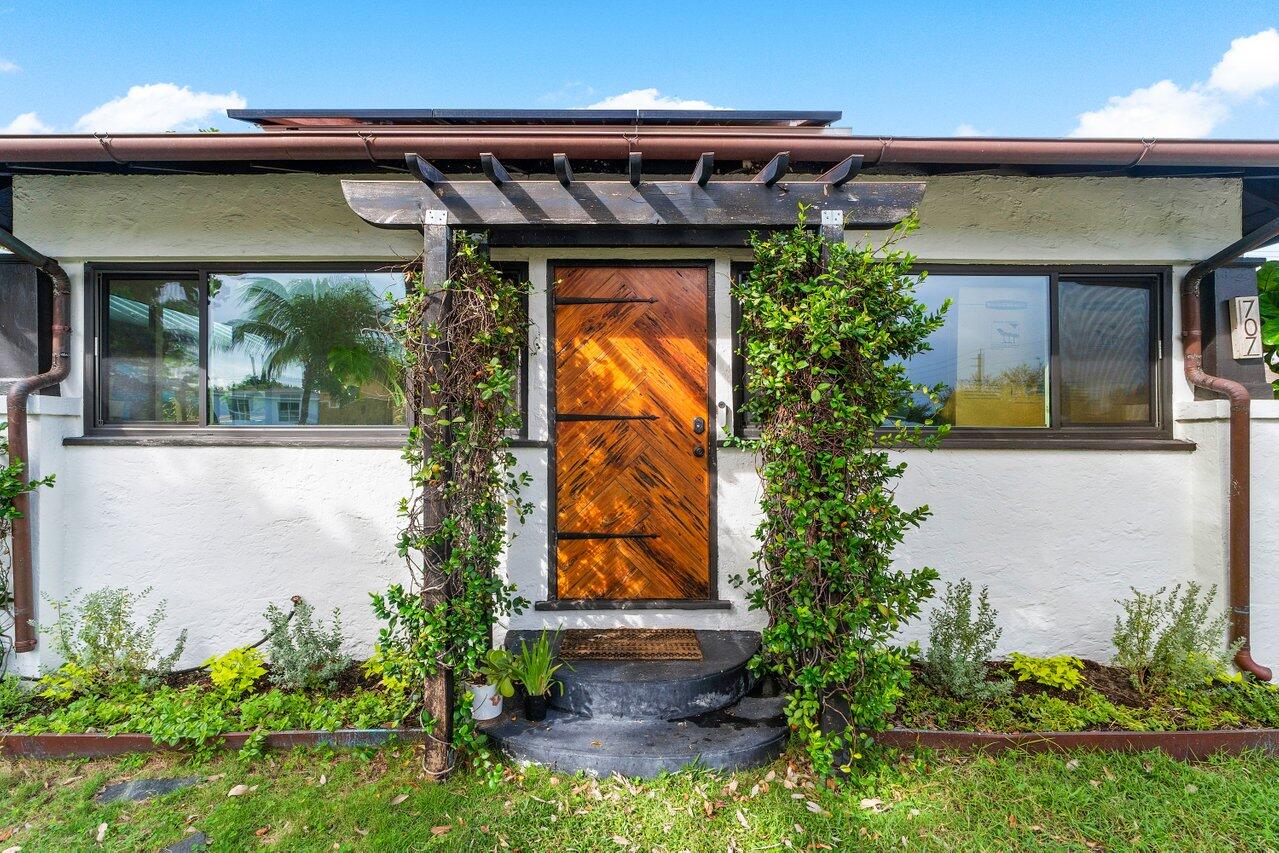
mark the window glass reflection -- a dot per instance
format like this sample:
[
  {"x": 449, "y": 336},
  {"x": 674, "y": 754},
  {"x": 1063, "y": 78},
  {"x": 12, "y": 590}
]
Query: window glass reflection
[{"x": 297, "y": 349}]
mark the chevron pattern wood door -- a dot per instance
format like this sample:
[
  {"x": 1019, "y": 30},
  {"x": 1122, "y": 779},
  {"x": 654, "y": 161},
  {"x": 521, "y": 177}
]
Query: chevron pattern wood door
[{"x": 632, "y": 475}]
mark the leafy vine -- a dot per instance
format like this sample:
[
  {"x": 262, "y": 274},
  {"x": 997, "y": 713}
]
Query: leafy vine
[
  {"x": 826, "y": 329},
  {"x": 459, "y": 368},
  {"x": 11, "y": 485}
]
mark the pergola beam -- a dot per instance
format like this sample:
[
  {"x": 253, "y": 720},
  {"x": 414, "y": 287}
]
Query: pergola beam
[
  {"x": 775, "y": 170},
  {"x": 723, "y": 204},
  {"x": 421, "y": 169},
  {"x": 844, "y": 172},
  {"x": 494, "y": 170},
  {"x": 704, "y": 169},
  {"x": 563, "y": 169}
]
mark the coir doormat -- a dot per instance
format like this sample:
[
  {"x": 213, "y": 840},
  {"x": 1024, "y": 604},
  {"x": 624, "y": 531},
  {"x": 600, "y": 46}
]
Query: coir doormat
[{"x": 630, "y": 644}]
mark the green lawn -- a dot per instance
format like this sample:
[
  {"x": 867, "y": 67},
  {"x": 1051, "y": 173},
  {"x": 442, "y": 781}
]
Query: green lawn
[{"x": 316, "y": 801}]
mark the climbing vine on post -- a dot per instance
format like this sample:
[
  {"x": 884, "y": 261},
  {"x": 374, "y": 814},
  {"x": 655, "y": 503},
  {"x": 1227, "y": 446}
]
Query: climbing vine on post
[
  {"x": 461, "y": 340},
  {"x": 11, "y": 485},
  {"x": 826, "y": 327}
]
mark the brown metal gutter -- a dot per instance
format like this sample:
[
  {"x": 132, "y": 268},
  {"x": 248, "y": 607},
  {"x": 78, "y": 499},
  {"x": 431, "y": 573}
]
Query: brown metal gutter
[
  {"x": 532, "y": 143},
  {"x": 24, "y": 635},
  {"x": 1240, "y": 580}
]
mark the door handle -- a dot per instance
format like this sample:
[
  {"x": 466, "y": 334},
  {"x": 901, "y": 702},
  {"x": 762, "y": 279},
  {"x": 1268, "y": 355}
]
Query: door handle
[
  {"x": 699, "y": 426},
  {"x": 699, "y": 451}
]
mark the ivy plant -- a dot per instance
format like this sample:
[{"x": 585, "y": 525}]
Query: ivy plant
[
  {"x": 827, "y": 329},
  {"x": 460, "y": 378},
  {"x": 12, "y": 484}
]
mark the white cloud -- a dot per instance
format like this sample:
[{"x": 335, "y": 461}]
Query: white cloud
[
  {"x": 1164, "y": 109},
  {"x": 650, "y": 99},
  {"x": 27, "y": 123},
  {"x": 966, "y": 129},
  {"x": 1251, "y": 65},
  {"x": 157, "y": 107},
  {"x": 7, "y": 67}
]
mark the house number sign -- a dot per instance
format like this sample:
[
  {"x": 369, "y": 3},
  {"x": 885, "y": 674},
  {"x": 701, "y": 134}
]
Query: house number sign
[{"x": 1245, "y": 327}]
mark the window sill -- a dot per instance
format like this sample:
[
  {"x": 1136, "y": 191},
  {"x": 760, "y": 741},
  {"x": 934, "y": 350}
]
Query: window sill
[
  {"x": 1055, "y": 442},
  {"x": 635, "y": 604},
  {"x": 334, "y": 439}
]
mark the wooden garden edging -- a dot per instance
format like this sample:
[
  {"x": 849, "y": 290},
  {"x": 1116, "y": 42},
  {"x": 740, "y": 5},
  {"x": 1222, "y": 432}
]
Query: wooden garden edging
[{"x": 1181, "y": 744}]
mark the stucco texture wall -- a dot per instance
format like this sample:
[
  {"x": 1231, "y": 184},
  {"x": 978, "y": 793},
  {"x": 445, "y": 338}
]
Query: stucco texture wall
[{"x": 219, "y": 532}]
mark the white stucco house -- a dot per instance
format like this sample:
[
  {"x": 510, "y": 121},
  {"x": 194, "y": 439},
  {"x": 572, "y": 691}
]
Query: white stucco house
[{"x": 202, "y": 451}]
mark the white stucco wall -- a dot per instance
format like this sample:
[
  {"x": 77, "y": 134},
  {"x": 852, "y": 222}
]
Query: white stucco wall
[{"x": 221, "y": 531}]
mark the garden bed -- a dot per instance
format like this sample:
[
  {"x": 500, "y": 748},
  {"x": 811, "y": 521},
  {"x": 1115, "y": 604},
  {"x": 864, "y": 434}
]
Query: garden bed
[
  {"x": 186, "y": 710},
  {"x": 1105, "y": 700}
]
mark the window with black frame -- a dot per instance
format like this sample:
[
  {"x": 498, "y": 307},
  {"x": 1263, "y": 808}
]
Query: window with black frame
[
  {"x": 253, "y": 347},
  {"x": 1039, "y": 351},
  {"x": 1029, "y": 351}
]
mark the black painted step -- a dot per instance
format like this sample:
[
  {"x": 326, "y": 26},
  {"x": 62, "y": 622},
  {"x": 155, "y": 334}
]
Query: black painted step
[
  {"x": 751, "y": 733},
  {"x": 655, "y": 690}
]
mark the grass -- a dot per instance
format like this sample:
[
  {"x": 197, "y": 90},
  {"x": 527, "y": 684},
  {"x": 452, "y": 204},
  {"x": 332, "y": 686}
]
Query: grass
[{"x": 325, "y": 801}]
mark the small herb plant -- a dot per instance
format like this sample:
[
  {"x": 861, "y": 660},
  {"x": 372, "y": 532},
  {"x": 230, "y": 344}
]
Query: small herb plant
[
  {"x": 1171, "y": 641},
  {"x": 498, "y": 669},
  {"x": 304, "y": 654},
  {"x": 237, "y": 671},
  {"x": 533, "y": 666},
  {"x": 1062, "y": 672},
  {"x": 103, "y": 645},
  {"x": 959, "y": 644}
]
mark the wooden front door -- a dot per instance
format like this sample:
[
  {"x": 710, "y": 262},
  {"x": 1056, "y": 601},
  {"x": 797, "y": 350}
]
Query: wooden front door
[{"x": 632, "y": 431}]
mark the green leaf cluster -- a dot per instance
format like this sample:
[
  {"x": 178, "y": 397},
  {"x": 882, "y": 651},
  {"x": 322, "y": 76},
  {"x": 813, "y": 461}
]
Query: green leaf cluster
[
  {"x": 827, "y": 329},
  {"x": 1063, "y": 672},
  {"x": 237, "y": 671}
]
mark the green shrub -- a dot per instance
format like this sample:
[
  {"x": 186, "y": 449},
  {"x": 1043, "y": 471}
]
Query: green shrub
[
  {"x": 15, "y": 700},
  {"x": 304, "y": 655},
  {"x": 237, "y": 671},
  {"x": 1063, "y": 672},
  {"x": 827, "y": 329},
  {"x": 960, "y": 643},
  {"x": 102, "y": 645},
  {"x": 1169, "y": 641},
  {"x": 389, "y": 666}
]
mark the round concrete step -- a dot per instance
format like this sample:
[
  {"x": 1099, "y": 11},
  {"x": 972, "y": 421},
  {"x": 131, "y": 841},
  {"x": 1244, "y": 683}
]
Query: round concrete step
[
  {"x": 656, "y": 690},
  {"x": 751, "y": 733}
]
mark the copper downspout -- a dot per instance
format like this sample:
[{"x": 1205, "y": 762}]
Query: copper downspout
[
  {"x": 24, "y": 635},
  {"x": 1240, "y": 585}
]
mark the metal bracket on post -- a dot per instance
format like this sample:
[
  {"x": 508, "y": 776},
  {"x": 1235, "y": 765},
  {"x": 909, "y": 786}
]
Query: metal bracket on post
[{"x": 832, "y": 230}]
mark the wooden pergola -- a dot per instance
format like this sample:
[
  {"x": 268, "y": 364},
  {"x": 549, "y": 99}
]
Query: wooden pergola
[{"x": 694, "y": 211}]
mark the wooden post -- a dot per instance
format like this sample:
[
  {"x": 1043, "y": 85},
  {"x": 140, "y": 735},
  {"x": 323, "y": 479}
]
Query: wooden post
[
  {"x": 437, "y": 697},
  {"x": 832, "y": 229}
]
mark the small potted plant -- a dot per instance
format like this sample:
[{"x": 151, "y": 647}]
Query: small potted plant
[
  {"x": 535, "y": 670},
  {"x": 496, "y": 674}
]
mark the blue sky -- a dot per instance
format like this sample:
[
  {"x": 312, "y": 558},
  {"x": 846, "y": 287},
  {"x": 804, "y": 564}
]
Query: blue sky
[{"x": 1023, "y": 69}]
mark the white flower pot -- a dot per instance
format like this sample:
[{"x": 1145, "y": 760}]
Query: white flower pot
[{"x": 486, "y": 702}]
